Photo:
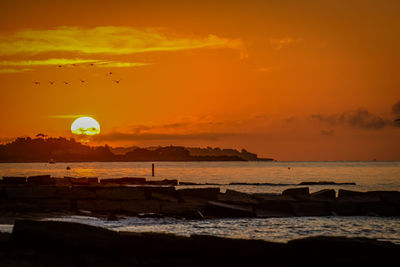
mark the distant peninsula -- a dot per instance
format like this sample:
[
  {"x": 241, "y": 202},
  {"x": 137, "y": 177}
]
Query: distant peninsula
[{"x": 26, "y": 149}]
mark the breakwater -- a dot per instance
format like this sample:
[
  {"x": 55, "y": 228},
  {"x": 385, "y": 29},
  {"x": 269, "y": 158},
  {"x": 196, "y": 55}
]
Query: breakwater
[{"x": 137, "y": 196}]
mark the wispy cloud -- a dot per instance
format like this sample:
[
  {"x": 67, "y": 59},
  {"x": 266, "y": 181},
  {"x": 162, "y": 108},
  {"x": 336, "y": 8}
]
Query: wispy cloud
[
  {"x": 46, "y": 62},
  {"x": 282, "y": 42},
  {"x": 360, "y": 118},
  {"x": 12, "y": 70},
  {"x": 107, "y": 40}
]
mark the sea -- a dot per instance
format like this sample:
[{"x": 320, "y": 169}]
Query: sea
[{"x": 249, "y": 177}]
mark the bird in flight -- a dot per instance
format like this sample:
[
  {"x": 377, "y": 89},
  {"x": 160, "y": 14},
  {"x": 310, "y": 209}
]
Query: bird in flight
[
  {"x": 66, "y": 83},
  {"x": 110, "y": 73},
  {"x": 51, "y": 82},
  {"x": 37, "y": 83},
  {"x": 82, "y": 81},
  {"x": 117, "y": 81}
]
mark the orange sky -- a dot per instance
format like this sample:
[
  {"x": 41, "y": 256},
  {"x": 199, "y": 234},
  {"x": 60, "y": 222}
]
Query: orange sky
[{"x": 292, "y": 80}]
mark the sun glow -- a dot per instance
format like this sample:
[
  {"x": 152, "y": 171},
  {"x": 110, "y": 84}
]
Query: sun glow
[{"x": 85, "y": 126}]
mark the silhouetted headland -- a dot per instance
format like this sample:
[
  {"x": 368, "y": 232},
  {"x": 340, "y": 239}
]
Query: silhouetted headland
[{"x": 68, "y": 150}]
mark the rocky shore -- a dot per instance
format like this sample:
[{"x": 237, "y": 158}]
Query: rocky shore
[
  {"x": 51, "y": 243},
  {"x": 138, "y": 197}
]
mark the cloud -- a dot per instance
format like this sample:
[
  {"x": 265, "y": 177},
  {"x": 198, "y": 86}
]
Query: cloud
[
  {"x": 70, "y": 61},
  {"x": 396, "y": 108},
  {"x": 12, "y": 70},
  {"x": 108, "y": 40},
  {"x": 280, "y": 43},
  {"x": 360, "y": 118}
]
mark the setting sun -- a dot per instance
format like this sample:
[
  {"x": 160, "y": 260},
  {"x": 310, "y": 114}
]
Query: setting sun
[{"x": 85, "y": 126}]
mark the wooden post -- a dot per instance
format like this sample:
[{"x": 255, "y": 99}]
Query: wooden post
[{"x": 152, "y": 169}]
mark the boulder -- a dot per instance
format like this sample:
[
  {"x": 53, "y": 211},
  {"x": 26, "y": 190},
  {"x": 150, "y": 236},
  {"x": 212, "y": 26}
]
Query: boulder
[
  {"x": 164, "y": 193},
  {"x": 198, "y": 194},
  {"x": 120, "y": 193},
  {"x": 355, "y": 196},
  {"x": 30, "y": 192},
  {"x": 220, "y": 209},
  {"x": 276, "y": 204},
  {"x": 140, "y": 206},
  {"x": 99, "y": 205},
  {"x": 310, "y": 208},
  {"x": 76, "y": 192},
  {"x": 13, "y": 180},
  {"x": 324, "y": 195},
  {"x": 125, "y": 181},
  {"x": 41, "y": 180},
  {"x": 379, "y": 209},
  {"x": 346, "y": 208},
  {"x": 301, "y": 192},
  {"x": 56, "y": 235},
  {"x": 392, "y": 197},
  {"x": 181, "y": 209},
  {"x": 54, "y": 204},
  {"x": 232, "y": 196}
]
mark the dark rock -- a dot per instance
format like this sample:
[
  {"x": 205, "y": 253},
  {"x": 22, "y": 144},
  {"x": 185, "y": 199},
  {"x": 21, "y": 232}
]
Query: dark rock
[
  {"x": 54, "y": 204},
  {"x": 198, "y": 194},
  {"x": 59, "y": 234},
  {"x": 76, "y": 192},
  {"x": 30, "y": 192},
  {"x": 112, "y": 217},
  {"x": 140, "y": 206},
  {"x": 392, "y": 197},
  {"x": 185, "y": 209},
  {"x": 225, "y": 210},
  {"x": 379, "y": 209},
  {"x": 355, "y": 196},
  {"x": 346, "y": 208},
  {"x": 41, "y": 180},
  {"x": 13, "y": 180},
  {"x": 324, "y": 195},
  {"x": 301, "y": 192},
  {"x": 163, "y": 193},
  {"x": 273, "y": 205},
  {"x": 120, "y": 193},
  {"x": 100, "y": 205},
  {"x": 311, "y": 208},
  {"x": 125, "y": 181},
  {"x": 232, "y": 196}
]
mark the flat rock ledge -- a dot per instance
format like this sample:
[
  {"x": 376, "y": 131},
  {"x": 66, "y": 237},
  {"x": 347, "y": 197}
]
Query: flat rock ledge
[
  {"x": 128, "y": 196},
  {"x": 54, "y": 243}
]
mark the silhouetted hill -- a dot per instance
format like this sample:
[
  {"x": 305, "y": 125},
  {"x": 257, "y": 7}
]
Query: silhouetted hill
[{"x": 67, "y": 150}]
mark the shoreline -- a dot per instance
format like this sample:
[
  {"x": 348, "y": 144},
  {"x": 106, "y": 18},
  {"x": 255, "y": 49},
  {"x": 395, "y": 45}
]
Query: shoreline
[{"x": 70, "y": 244}]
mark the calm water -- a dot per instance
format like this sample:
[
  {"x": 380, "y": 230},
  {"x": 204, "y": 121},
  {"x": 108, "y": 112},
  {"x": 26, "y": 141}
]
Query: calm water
[{"x": 366, "y": 175}]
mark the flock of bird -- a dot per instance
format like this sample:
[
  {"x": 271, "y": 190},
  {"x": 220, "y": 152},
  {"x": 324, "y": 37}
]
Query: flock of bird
[{"x": 110, "y": 74}]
